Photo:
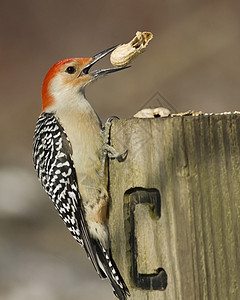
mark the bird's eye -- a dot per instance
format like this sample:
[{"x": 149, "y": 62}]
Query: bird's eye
[{"x": 70, "y": 70}]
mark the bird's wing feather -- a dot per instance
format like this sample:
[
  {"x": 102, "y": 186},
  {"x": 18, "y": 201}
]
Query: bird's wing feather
[{"x": 55, "y": 168}]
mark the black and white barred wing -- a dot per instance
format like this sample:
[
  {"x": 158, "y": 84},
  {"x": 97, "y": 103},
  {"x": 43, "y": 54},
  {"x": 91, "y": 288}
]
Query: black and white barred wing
[{"x": 53, "y": 163}]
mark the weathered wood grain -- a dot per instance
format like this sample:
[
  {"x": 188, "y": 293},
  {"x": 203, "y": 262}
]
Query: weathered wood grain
[{"x": 194, "y": 164}]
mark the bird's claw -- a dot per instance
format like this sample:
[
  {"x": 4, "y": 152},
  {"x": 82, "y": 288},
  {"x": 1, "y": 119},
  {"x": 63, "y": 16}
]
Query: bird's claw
[
  {"x": 121, "y": 157},
  {"x": 113, "y": 154}
]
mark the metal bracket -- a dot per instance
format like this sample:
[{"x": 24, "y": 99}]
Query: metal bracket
[{"x": 158, "y": 280}]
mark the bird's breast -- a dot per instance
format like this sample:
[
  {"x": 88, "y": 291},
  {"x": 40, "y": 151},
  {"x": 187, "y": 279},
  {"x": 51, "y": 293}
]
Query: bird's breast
[{"x": 83, "y": 131}]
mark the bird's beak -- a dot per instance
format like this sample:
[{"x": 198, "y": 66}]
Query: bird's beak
[{"x": 101, "y": 72}]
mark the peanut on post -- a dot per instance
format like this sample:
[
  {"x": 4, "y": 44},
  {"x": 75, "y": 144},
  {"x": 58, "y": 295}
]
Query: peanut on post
[
  {"x": 125, "y": 53},
  {"x": 153, "y": 113}
]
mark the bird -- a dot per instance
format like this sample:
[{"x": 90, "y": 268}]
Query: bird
[{"x": 70, "y": 160}]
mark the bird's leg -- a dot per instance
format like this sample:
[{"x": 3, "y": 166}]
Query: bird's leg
[{"x": 108, "y": 150}]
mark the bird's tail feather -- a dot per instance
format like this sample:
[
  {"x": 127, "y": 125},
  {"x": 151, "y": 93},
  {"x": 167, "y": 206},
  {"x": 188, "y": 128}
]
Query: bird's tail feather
[{"x": 110, "y": 269}]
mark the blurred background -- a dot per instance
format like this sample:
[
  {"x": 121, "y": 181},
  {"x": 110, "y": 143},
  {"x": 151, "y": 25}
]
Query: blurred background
[{"x": 193, "y": 60}]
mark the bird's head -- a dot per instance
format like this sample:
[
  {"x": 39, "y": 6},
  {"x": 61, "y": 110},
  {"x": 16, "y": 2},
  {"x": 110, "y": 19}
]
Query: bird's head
[{"x": 68, "y": 78}]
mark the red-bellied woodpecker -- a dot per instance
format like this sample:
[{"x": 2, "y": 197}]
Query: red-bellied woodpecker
[{"x": 69, "y": 158}]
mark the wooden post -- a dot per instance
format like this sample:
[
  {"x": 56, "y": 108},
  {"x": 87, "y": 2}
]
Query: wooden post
[{"x": 174, "y": 214}]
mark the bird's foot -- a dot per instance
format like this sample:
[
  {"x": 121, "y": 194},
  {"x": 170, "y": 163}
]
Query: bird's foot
[
  {"x": 107, "y": 149},
  {"x": 114, "y": 154}
]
